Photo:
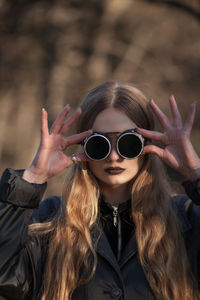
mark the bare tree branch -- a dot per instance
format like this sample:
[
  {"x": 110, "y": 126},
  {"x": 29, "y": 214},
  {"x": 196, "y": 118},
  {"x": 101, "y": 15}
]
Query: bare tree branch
[{"x": 195, "y": 12}]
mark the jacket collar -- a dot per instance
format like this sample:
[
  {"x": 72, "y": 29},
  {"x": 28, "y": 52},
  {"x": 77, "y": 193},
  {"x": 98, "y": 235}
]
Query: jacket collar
[{"x": 103, "y": 248}]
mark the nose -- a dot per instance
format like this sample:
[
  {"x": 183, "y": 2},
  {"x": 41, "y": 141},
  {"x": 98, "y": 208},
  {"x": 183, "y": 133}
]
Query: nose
[{"x": 114, "y": 156}]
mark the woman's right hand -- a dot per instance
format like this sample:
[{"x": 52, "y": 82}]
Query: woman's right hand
[{"x": 50, "y": 158}]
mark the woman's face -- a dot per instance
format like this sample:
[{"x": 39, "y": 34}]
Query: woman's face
[{"x": 114, "y": 170}]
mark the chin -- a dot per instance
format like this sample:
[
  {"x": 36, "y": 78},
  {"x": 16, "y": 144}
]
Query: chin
[{"x": 114, "y": 181}]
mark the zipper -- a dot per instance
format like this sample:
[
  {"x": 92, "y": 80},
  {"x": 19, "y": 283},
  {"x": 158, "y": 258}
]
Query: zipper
[
  {"x": 115, "y": 216},
  {"x": 117, "y": 223}
]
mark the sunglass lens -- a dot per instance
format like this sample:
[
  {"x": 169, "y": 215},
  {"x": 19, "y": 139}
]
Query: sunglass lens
[
  {"x": 97, "y": 147},
  {"x": 130, "y": 145}
]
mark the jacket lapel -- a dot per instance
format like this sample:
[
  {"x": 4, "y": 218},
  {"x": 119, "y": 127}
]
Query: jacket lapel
[
  {"x": 103, "y": 248},
  {"x": 129, "y": 251}
]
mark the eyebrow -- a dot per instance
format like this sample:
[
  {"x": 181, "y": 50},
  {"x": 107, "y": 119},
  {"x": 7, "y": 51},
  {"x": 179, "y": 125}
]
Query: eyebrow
[{"x": 113, "y": 132}]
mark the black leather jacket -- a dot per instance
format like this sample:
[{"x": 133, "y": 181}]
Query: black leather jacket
[{"x": 22, "y": 258}]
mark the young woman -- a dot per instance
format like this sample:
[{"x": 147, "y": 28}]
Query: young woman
[{"x": 116, "y": 233}]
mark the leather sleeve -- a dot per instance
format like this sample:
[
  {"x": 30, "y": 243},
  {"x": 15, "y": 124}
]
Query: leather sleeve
[
  {"x": 192, "y": 236},
  {"x": 192, "y": 189},
  {"x": 188, "y": 214},
  {"x": 18, "y": 252}
]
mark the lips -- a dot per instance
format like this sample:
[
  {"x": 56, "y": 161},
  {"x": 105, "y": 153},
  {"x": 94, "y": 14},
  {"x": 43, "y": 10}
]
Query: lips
[{"x": 114, "y": 170}]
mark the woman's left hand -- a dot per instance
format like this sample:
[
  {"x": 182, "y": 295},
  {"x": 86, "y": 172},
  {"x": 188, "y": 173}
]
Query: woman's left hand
[{"x": 178, "y": 151}]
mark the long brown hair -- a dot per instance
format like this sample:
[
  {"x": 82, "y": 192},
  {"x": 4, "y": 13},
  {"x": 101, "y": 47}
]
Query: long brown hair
[{"x": 71, "y": 255}]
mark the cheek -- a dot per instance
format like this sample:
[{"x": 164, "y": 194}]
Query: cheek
[
  {"x": 134, "y": 166},
  {"x": 95, "y": 167}
]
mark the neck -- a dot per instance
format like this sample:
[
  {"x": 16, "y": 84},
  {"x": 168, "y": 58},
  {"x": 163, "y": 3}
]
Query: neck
[{"x": 116, "y": 194}]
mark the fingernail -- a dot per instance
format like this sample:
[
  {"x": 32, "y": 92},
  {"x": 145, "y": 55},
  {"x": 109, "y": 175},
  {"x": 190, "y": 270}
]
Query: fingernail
[
  {"x": 151, "y": 101},
  {"x": 43, "y": 109},
  {"x": 67, "y": 106},
  {"x": 194, "y": 104}
]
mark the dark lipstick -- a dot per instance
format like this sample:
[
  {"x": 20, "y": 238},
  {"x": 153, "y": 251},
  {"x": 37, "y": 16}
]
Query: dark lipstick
[{"x": 114, "y": 170}]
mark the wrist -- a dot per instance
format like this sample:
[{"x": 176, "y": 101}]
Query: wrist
[
  {"x": 32, "y": 176},
  {"x": 192, "y": 174}
]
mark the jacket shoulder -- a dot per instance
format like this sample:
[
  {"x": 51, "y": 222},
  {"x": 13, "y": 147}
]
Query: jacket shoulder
[
  {"x": 187, "y": 212},
  {"x": 47, "y": 209}
]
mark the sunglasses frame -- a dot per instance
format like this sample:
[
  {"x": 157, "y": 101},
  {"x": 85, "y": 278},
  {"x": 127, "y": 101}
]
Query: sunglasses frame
[{"x": 127, "y": 132}]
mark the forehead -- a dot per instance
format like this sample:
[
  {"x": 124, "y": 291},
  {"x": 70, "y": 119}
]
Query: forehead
[{"x": 112, "y": 120}]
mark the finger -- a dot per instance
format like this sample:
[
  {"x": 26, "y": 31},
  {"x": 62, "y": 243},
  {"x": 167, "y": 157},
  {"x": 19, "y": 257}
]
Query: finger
[
  {"x": 55, "y": 128},
  {"x": 175, "y": 112},
  {"x": 154, "y": 150},
  {"x": 77, "y": 138},
  {"x": 44, "y": 124},
  {"x": 68, "y": 123},
  {"x": 190, "y": 118},
  {"x": 159, "y": 114},
  {"x": 150, "y": 134}
]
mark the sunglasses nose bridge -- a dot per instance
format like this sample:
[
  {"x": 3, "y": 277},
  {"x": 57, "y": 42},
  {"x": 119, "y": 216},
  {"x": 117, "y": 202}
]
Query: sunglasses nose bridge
[
  {"x": 114, "y": 153},
  {"x": 113, "y": 143}
]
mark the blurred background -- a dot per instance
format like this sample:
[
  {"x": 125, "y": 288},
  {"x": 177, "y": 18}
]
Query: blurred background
[{"x": 53, "y": 52}]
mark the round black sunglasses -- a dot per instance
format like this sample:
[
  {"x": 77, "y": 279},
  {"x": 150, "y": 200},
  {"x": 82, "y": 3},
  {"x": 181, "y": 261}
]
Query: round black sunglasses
[{"x": 129, "y": 144}]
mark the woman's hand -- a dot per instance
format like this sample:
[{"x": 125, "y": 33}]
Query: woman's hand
[
  {"x": 178, "y": 151},
  {"x": 50, "y": 158}
]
